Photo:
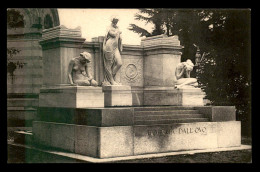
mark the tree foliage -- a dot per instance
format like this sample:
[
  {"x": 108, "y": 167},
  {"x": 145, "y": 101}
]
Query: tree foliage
[
  {"x": 223, "y": 36},
  {"x": 14, "y": 20}
]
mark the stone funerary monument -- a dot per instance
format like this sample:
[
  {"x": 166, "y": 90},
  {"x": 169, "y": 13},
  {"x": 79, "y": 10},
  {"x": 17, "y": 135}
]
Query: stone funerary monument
[{"x": 110, "y": 100}]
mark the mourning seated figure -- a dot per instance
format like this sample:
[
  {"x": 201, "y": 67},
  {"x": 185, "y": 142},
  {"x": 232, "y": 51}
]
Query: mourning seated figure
[
  {"x": 79, "y": 71},
  {"x": 182, "y": 74}
]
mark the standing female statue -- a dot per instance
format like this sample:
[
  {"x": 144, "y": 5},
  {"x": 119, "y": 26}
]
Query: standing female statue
[
  {"x": 182, "y": 74},
  {"x": 79, "y": 73},
  {"x": 112, "y": 46}
]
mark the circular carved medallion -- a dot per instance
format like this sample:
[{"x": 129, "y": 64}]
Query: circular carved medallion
[{"x": 131, "y": 71}]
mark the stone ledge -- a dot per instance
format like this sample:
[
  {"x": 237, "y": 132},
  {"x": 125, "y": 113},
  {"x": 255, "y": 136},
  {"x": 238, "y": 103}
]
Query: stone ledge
[
  {"x": 101, "y": 117},
  {"x": 83, "y": 158},
  {"x": 218, "y": 113},
  {"x": 171, "y": 96},
  {"x": 70, "y": 89},
  {"x": 117, "y": 88},
  {"x": 117, "y": 95}
]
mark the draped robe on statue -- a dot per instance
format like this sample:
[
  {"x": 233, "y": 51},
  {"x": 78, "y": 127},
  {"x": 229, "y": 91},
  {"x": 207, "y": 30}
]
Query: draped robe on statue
[{"x": 112, "y": 46}]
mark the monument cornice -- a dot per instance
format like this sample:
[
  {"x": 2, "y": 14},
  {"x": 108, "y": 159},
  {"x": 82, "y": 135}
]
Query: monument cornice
[
  {"x": 91, "y": 45},
  {"x": 163, "y": 46},
  {"x": 132, "y": 47},
  {"x": 163, "y": 49},
  {"x": 61, "y": 42}
]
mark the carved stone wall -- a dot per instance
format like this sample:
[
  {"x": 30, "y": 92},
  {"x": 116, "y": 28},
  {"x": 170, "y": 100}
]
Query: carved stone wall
[{"x": 131, "y": 72}]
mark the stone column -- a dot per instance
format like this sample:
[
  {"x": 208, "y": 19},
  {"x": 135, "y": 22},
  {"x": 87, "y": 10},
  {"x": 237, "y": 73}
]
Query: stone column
[
  {"x": 60, "y": 45},
  {"x": 162, "y": 54}
]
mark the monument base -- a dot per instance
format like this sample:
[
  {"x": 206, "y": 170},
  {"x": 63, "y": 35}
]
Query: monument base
[
  {"x": 116, "y": 141},
  {"x": 173, "y": 96},
  {"x": 71, "y": 96},
  {"x": 129, "y": 131},
  {"x": 117, "y": 95}
]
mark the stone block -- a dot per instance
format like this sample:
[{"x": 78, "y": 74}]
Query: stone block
[
  {"x": 191, "y": 97},
  {"x": 186, "y": 136},
  {"x": 59, "y": 45},
  {"x": 86, "y": 140},
  {"x": 55, "y": 135},
  {"x": 162, "y": 54},
  {"x": 117, "y": 95},
  {"x": 99, "y": 142},
  {"x": 101, "y": 117},
  {"x": 174, "y": 137},
  {"x": 138, "y": 97},
  {"x": 161, "y": 96},
  {"x": 108, "y": 142},
  {"x": 63, "y": 136},
  {"x": 229, "y": 134},
  {"x": 116, "y": 141},
  {"x": 112, "y": 117},
  {"x": 159, "y": 69},
  {"x": 160, "y": 40},
  {"x": 104, "y": 142},
  {"x": 71, "y": 97},
  {"x": 218, "y": 113},
  {"x": 171, "y": 96},
  {"x": 42, "y": 133}
]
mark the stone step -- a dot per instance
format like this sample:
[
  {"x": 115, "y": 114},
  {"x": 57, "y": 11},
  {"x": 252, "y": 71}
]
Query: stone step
[
  {"x": 23, "y": 137},
  {"x": 17, "y": 102},
  {"x": 161, "y": 117},
  {"x": 160, "y": 108},
  {"x": 13, "y": 129},
  {"x": 20, "y": 116},
  {"x": 170, "y": 121},
  {"x": 165, "y": 112}
]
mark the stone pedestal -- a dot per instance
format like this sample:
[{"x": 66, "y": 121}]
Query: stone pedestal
[
  {"x": 162, "y": 54},
  {"x": 116, "y": 141},
  {"x": 190, "y": 97},
  {"x": 173, "y": 96},
  {"x": 71, "y": 96},
  {"x": 114, "y": 132},
  {"x": 59, "y": 45},
  {"x": 117, "y": 95}
]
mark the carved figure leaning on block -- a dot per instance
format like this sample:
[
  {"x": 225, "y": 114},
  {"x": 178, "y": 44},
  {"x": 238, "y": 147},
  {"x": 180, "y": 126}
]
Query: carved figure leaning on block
[
  {"x": 182, "y": 74},
  {"x": 79, "y": 72}
]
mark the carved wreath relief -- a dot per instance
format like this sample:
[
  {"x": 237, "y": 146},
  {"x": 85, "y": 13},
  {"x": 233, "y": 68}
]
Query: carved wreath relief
[{"x": 132, "y": 71}]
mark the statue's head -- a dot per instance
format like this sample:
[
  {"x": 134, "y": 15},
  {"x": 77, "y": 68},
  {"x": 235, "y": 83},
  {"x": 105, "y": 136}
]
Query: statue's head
[
  {"x": 189, "y": 65},
  {"x": 85, "y": 57},
  {"x": 114, "y": 19}
]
